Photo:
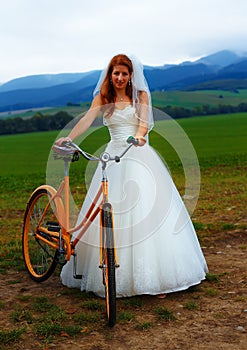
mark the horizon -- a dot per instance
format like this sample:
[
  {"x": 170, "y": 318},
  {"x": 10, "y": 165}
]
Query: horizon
[{"x": 175, "y": 62}]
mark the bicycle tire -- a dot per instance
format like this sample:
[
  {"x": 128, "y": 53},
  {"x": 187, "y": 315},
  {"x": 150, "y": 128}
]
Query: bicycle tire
[
  {"x": 39, "y": 257},
  {"x": 109, "y": 265}
]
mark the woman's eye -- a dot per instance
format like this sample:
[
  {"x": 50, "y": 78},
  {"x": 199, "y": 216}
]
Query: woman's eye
[{"x": 118, "y": 73}]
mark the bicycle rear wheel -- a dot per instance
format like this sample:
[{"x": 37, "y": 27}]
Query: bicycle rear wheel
[
  {"x": 109, "y": 265},
  {"x": 39, "y": 256}
]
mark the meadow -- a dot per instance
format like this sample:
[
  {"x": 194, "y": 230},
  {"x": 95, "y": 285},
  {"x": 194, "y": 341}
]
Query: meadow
[
  {"x": 190, "y": 99},
  {"x": 215, "y": 139},
  {"x": 220, "y": 143},
  {"x": 220, "y": 220}
]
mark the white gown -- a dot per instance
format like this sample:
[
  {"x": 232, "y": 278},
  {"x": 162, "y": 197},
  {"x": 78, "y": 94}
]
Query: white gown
[{"x": 157, "y": 247}]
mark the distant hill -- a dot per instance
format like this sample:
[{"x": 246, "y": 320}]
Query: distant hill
[
  {"x": 221, "y": 58},
  {"x": 221, "y": 70},
  {"x": 177, "y": 77},
  {"x": 48, "y": 80}
]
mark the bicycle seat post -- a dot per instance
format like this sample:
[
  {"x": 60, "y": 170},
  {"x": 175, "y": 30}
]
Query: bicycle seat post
[
  {"x": 66, "y": 191},
  {"x": 66, "y": 166}
]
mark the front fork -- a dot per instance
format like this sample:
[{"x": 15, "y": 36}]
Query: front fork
[{"x": 106, "y": 242}]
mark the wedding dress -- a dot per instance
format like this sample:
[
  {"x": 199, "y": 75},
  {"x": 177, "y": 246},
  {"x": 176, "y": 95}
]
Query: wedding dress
[{"x": 157, "y": 247}]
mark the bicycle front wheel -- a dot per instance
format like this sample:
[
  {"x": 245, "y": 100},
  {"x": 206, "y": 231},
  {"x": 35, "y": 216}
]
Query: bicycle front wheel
[
  {"x": 109, "y": 265},
  {"x": 40, "y": 257}
]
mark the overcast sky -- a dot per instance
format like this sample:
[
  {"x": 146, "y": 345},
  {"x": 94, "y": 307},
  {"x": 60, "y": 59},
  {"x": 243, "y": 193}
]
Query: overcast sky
[{"x": 57, "y": 36}]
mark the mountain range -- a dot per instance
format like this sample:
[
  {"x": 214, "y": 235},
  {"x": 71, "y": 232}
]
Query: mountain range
[{"x": 225, "y": 70}]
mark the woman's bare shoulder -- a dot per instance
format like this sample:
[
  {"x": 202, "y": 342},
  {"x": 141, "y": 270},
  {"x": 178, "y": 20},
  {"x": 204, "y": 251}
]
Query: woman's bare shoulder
[{"x": 97, "y": 101}]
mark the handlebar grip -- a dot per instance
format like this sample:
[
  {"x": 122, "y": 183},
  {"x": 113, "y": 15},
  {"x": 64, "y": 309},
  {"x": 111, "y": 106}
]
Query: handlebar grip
[
  {"x": 132, "y": 140},
  {"x": 66, "y": 143}
]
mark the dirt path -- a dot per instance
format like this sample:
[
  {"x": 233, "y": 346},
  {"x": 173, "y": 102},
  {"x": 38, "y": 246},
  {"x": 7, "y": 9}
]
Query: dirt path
[{"x": 212, "y": 315}]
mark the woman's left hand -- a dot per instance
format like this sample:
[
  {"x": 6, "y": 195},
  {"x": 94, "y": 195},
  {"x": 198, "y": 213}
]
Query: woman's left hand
[{"x": 141, "y": 140}]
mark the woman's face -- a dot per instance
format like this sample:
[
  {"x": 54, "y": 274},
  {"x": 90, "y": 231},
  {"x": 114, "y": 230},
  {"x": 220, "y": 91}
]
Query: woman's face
[{"x": 120, "y": 77}]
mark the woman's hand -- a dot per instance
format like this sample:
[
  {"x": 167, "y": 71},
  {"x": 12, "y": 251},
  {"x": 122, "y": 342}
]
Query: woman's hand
[
  {"x": 62, "y": 140},
  {"x": 141, "y": 140}
]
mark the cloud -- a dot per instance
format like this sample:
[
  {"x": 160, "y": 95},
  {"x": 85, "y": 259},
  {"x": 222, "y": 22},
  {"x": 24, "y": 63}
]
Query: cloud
[{"x": 52, "y": 36}]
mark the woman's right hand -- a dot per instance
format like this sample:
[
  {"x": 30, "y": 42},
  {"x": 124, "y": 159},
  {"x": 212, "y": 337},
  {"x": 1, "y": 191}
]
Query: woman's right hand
[{"x": 62, "y": 140}]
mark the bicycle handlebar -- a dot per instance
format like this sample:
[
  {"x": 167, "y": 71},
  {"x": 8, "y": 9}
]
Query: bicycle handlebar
[{"x": 70, "y": 149}]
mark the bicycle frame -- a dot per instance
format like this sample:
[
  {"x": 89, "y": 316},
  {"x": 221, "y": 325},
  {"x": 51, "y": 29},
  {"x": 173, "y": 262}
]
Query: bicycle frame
[{"x": 63, "y": 208}]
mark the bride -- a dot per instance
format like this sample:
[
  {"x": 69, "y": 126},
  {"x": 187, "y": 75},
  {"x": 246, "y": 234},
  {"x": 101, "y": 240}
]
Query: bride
[{"x": 157, "y": 252}]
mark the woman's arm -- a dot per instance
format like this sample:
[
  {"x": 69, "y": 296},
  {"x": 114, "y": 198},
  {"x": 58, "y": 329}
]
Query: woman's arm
[
  {"x": 84, "y": 123},
  {"x": 143, "y": 115}
]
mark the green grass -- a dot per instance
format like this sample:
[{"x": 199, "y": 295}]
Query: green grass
[
  {"x": 72, "y": 110},
  {"x": 190, "y": 99},
  {"x": 10, "y": 336},
  {"x": 191, "y": 305},
  {"x": 93, "y": 305},
  {"x": 211, "y": 292},
  {"x": 48, "y": 329},
  {"x": 84, "y": 318},
  {"x": 126, "y": 316},
  {"x": 23, "y": 154},
  {"x": 220, "y": 143},
  {"x": 164, "y": 314},
  {"x": 144, "y": 326},
  {"x": 217, "y": 140},
  {"x": 134, "y": 302},
  {"x": 213, "y": 278},
  {"x": 21, "y": 314}
]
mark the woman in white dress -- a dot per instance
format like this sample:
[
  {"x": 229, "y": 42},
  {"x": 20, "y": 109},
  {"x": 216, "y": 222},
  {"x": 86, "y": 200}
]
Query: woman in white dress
[{"x": 158, "y": 252}]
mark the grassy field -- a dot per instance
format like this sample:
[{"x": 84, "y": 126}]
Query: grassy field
[
  {"x": 73, "y": 110},
  {"x": 221, "y": 146},
  {"x": 215, "y": 139},
  {"x": 190, "y": 99},
  {"x": 218, "y": 141}
]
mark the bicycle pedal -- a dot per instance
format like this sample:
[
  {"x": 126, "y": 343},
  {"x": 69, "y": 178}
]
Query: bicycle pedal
[
  {"x": 75, "y": 274},
  {"x": 53, "y": 226}
]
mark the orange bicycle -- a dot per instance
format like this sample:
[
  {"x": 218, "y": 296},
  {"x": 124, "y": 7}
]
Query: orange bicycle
[{"x": 47, "y": 235}]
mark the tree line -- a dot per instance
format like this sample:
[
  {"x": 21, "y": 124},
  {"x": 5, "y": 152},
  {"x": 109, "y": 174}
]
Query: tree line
[
  {"x": 181, "y": 112},
  {"x": 41, "y": 122}
]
